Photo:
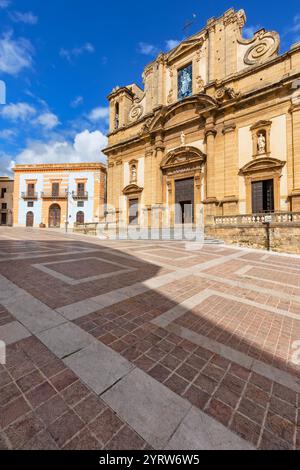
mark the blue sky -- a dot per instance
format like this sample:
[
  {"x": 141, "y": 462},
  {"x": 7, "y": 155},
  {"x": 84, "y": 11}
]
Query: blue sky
[{"x": 61, "y": 58}]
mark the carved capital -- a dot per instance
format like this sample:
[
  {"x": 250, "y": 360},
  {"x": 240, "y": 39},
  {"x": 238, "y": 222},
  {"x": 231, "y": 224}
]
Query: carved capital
[
  {"x": 229, "y": 128},
  {"x": 211, "y": 132}
]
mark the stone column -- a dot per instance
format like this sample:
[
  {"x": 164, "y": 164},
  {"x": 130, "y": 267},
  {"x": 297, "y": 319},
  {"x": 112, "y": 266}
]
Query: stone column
[
  {"x": 211, "y": 50},
  {"x": 295, "y": 116},
  {"x": 159, "y": 154},
  {"x": 230, "y": 169},
  {"x": 210, "y": 133},
  {"x": 210, "y": 199}
]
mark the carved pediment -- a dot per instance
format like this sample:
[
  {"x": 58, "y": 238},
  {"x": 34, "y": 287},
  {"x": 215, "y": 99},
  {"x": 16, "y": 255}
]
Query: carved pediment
[
  {"x": 183, "y": 156},
  {"x": 185, "y": 47},
  {"x": 263, "y": 164},
  {"x": 197, "y": 104},
  {"x": 132, "y": 189}
]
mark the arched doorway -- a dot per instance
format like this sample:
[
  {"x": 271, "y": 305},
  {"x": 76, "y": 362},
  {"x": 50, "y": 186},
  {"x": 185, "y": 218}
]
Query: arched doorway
[
  {"x": 54, "y": 216},
  {"x": 80, "y": 217},
  {"x": 29, "y": 219}
]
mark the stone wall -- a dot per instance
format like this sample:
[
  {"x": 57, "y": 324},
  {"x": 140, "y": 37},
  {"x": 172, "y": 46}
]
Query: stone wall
[{"x": 283, "y": 238}]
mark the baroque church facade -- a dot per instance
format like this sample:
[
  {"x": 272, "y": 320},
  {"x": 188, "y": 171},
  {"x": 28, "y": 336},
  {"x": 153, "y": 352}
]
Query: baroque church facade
[{"x": 216, "y": 127}]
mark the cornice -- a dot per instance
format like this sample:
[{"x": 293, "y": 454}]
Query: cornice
[{"x": 49, "y": 167}]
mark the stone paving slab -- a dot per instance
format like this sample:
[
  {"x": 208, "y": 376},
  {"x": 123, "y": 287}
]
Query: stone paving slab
[
  {"x": 13, "y": 332},
  {"x": 98, "y": 366},
  {"x": 198, "y": 432},
  {"x": 65, "y": 339},
  {"x": 149, "y": 407}
]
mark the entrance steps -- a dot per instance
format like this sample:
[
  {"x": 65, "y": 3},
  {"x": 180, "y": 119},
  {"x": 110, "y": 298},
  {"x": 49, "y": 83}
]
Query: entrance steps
[{"x": 213, "y": 241}]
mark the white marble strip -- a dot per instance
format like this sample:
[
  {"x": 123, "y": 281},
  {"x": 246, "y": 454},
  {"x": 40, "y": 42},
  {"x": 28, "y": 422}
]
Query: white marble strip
[
  {"x": 93, "y": 304},
  {"x": 74, "y": 282}
]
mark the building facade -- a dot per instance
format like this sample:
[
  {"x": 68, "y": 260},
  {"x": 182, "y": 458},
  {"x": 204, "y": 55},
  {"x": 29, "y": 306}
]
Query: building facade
[
  {"x": 6, "y": 200},
  {"x": 53, "y": 194},
  {"x": 216, "y": 127}
]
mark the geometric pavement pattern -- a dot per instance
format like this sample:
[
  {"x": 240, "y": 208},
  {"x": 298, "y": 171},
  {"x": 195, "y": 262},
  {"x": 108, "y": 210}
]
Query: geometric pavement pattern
[{"x": 147, "y": 344}]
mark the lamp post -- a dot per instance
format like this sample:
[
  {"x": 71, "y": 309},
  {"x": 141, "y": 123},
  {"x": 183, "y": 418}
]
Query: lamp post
[{"x": 67, "y": 210}]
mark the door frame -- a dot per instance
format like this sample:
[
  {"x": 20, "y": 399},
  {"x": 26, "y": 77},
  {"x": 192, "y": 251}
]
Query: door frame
[{"x": 49, "y": 218}]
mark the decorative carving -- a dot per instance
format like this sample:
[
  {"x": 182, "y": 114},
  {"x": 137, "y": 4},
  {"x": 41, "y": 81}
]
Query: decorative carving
[
  {"x": 182, "y": 138},
  {"x": 264, "y": 45},
  {"x": 136, "y": 112},
  {"x": 226, "y": 92},
  {"x": 200, "y": 83},
  {"x": 132, "y": 189},
  {"x": 181, "y": 159},
  {"x": 170, "y": 97},
  {"x": 262, "y": 164}
]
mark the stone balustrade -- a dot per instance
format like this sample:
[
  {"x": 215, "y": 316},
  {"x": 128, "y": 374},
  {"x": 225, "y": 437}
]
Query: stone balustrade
[{"x": 255, "y": 219}]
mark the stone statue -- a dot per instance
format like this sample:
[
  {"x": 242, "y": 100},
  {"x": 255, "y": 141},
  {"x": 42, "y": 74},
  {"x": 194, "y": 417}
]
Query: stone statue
[
  {"x": 261, "y": 144},
  {"x": 133, "y": 173},
  {"x": 182, "y": 138}
]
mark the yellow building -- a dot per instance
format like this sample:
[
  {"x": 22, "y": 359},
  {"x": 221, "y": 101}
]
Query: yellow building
[
  {"x": 6, "y": 200},
  {"x": 216, "y": 129},
  {"x": 53, "y": 194}
]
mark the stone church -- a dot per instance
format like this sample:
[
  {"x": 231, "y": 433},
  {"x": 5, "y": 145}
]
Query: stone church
[{"x": 216, "y": 127}]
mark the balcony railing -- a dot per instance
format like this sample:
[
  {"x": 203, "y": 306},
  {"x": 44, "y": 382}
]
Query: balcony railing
[
  {"x": 30, "y": 196},
  {"x": 254, "y": 219},
  {"x": 80, "y": 195},
  {"x": 51, "y": 195}
]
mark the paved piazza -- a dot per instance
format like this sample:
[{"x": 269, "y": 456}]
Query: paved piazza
[{"x": 147, "y": 345}]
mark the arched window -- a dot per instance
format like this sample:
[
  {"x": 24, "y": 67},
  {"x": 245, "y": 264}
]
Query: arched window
[
  {"x": 80, "y": 217},
  {"x": 117, "y": 116}
]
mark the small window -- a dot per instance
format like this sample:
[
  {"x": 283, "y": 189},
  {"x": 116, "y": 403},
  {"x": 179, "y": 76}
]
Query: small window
[
  {"x": 30, "y": 204},
  {"x": 3, "y": 191},
  {"x": 185, "y": 82},
  {"x": 80, "y": 204},
  {"x": 4, "y": 205}
]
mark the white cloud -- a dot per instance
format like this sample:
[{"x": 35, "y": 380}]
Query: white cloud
[
  {"x": 147, "y": 49},
  {"x": 47, "y": 120},
  {"x": 24, "y": 17},
  {"x": 76, "y": 102},
  {"x": 4, "y": 3},
  {"x": 248, "y": 31},
  {"x": 15, "y": 54},
  {"x": 7, "y": 134},
  {"x": 171, "y": 44},
  {"x": 71, "y": 54},
  {"x": 99, "y": 113},
  {"x": 17, "y": 112},
  {"x": 86, "y": 147},
  {"x": 6, "y": 164}
]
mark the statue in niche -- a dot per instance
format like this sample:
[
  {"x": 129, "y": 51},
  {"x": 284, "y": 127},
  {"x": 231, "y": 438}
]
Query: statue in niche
[
  {"x": 182, "y": 138},
  {"x": 133, "y": 173},
  {"x": 261, "y": 144}
]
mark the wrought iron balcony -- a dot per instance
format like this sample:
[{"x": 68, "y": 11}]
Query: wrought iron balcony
[
  {"x": 54, "y": 195},
  {"x": 82, "y": 195},
  {"x": 31, "y": 196}
]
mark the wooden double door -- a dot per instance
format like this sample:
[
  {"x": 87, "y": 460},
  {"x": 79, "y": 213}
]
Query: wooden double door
[{"x": 54, "y": 216}]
